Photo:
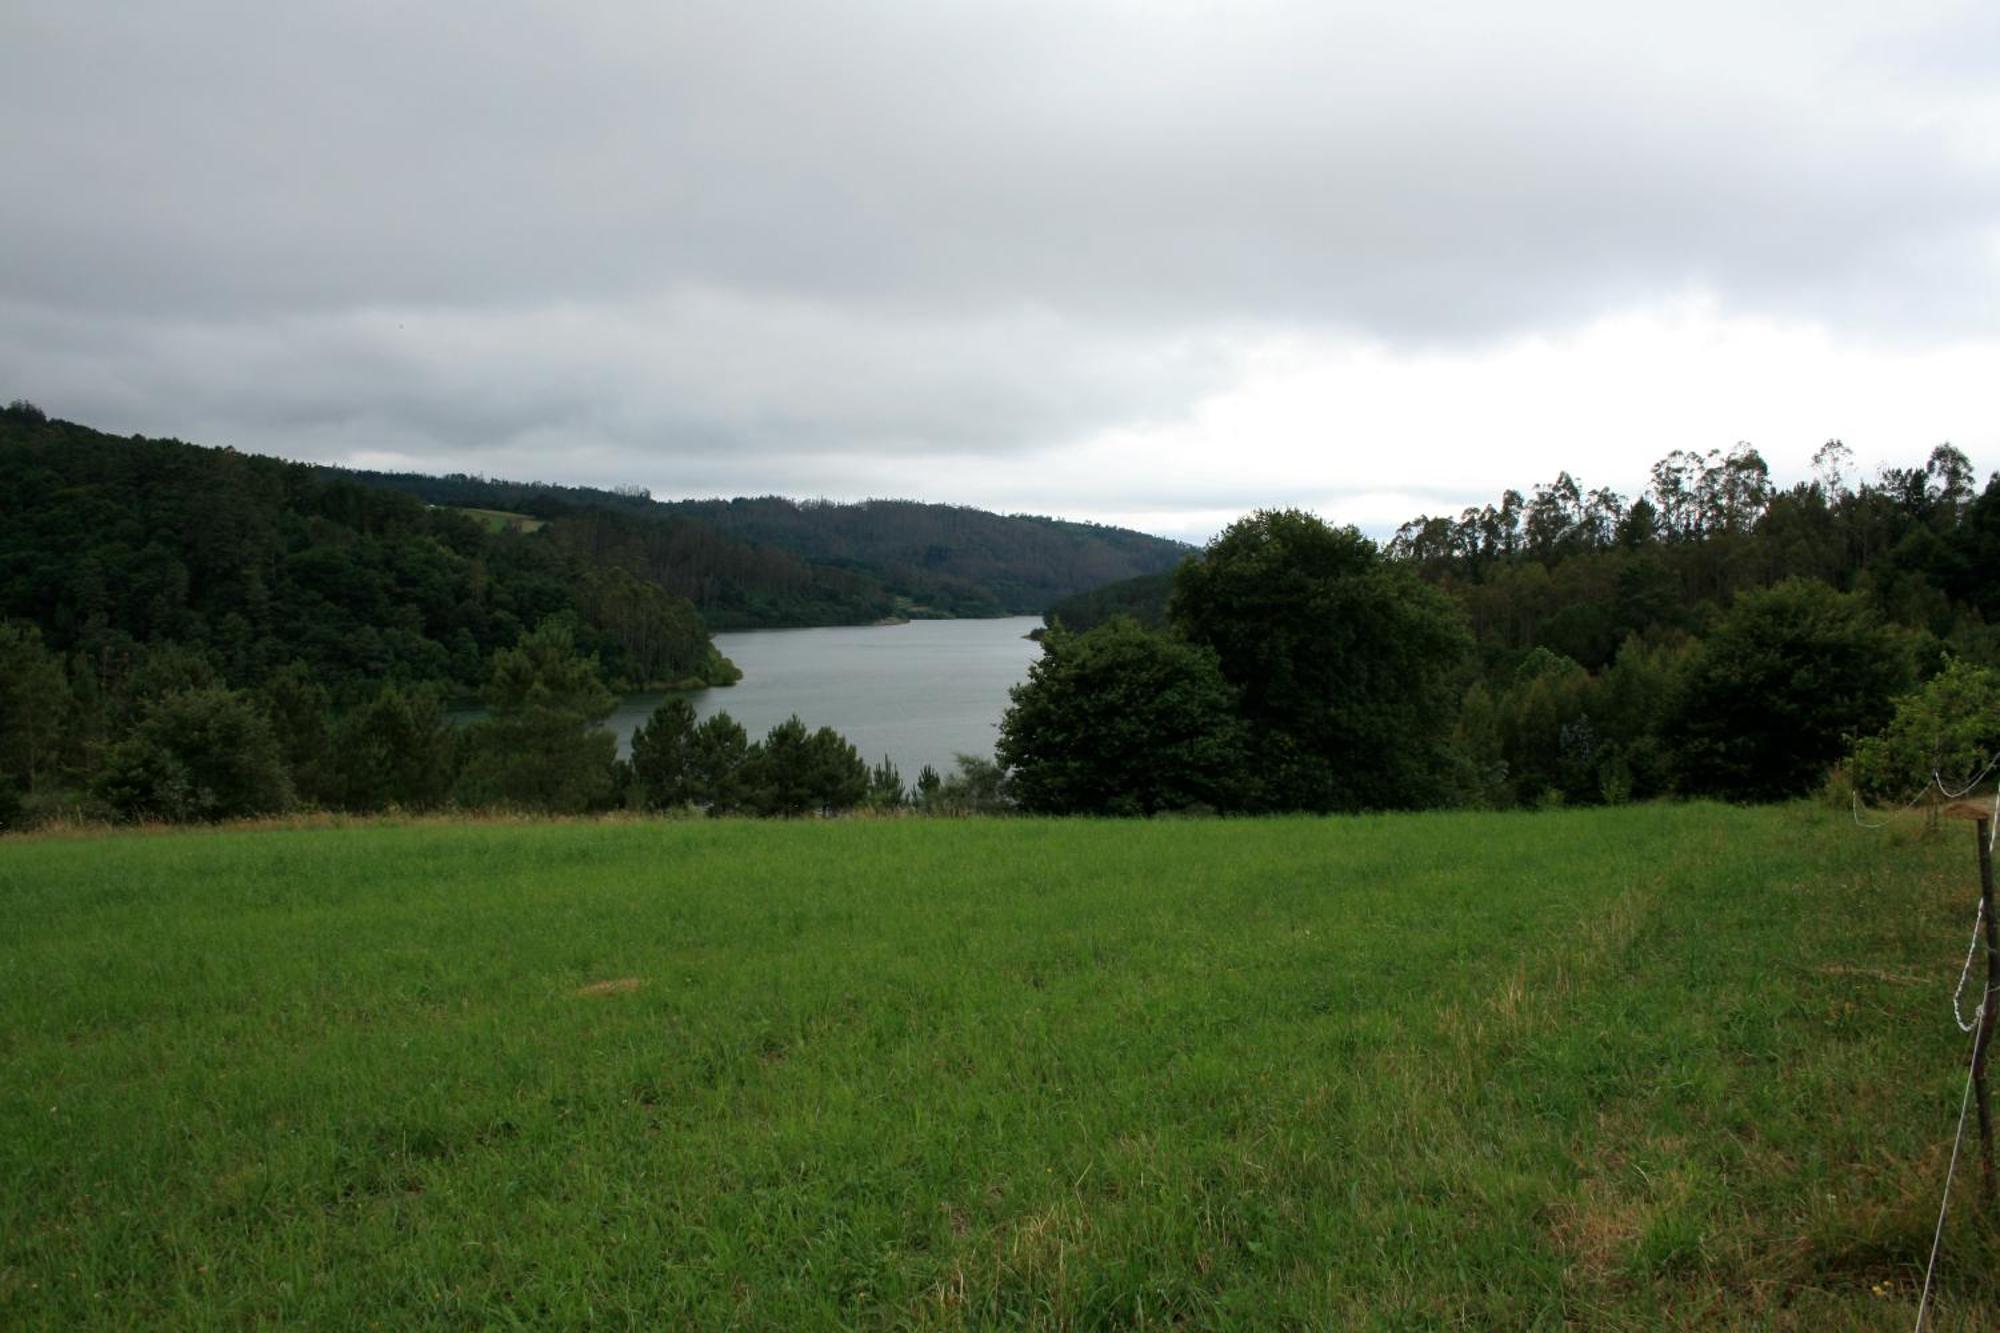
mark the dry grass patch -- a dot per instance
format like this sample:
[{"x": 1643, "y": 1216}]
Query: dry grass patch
[{"x": 616, "y": 986}]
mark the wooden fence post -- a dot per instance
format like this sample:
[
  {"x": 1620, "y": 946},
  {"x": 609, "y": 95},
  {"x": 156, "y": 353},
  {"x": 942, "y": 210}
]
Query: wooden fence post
[{"x": 1989, "y": 1003}]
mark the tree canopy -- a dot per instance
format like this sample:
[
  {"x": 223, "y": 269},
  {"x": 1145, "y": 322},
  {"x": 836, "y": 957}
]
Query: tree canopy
[
  {"x": 1346, "y": 664},
  {"x": 1120, "y": 721}
]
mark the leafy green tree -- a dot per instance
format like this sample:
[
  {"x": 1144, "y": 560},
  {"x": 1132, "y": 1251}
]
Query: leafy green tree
[
  {"x": 1780, "y": 689},
  {"x": 1122, "y": 721},
  {"x": 397, "y": 749},
  {"x": 542, "y": 747},
  {"x": 1481, "y": 769},
  {"x": 718, "y": 751},
  {"x": 1546, "y": 731},
  {"x": 537, "y": 760},
  {"x": 662, "y": 755},
  {"x": 300, "y": 712},
  {"x": 975, "y": 786},
  {"x": 203, "y": 754},
  {"x": 1347, "y": 666},
  {"x": 545, "y": 671},
  {"x": 34, "y": 707},
  {"x": 1948, "y": 731},
  {"x": 158, "y": 670},
  {"x": 1630, "y": 705}
]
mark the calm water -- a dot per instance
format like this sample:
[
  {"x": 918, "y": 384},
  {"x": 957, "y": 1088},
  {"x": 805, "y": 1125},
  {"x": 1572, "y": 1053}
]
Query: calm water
[{"x": 918, "y": 693}]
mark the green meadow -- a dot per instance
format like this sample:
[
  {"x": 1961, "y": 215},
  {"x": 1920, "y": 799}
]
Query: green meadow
[{"x": 1652, "y": 1066}]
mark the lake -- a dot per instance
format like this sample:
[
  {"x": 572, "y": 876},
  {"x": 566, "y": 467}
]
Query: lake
[{"x": 919, "y": 693}]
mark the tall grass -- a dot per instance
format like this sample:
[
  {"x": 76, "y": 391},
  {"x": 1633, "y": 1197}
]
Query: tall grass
[{"x": 1641, "y": 1067}]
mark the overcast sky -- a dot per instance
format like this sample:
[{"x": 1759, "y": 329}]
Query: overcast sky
[{"x": 1153, "y": 263}]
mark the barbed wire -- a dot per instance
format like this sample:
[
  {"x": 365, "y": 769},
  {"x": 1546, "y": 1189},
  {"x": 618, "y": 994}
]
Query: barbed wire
[
  {"x": 1936, "y": 781},
  {"x": 1971, "y": 951},
  {"x": 1951, "y": 1168}
]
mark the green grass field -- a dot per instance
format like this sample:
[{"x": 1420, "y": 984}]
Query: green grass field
[{"x": 1653, "y": 1066}]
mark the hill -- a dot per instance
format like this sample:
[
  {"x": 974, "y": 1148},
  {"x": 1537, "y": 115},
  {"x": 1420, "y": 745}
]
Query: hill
[
  {"x": 1664, "y": 1066},
  {"x": 734, "y": 584},
  {"x": 769, "y": 561},
  {"x": 1144, "y": 599},
  {"x": 948, "y": 556},
  {"x": 116, "y": 549}
]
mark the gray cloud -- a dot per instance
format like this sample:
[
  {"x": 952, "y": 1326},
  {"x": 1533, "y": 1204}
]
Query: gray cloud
[{"x": 757, "y": 247}]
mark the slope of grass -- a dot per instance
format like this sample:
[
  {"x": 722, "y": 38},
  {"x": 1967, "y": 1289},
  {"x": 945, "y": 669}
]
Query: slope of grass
[
  {"x": 1682, "y": 1066},
  {"x": 501, "y": 520}
]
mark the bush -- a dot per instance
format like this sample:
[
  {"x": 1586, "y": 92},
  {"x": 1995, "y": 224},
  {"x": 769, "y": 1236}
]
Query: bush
[
  {"x": 1123, "y": 721},
  {"x": 976, "y": 787},
  {"x": 395, "y": 750},
  {"x": 1949, "y": 729},
  {"x": 197, "y": 755},
  {"x": 537, "y": 760}
]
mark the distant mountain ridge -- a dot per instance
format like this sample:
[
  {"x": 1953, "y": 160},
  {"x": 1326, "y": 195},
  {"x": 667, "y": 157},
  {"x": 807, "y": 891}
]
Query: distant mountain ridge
[{"x": 769, "y": 561}]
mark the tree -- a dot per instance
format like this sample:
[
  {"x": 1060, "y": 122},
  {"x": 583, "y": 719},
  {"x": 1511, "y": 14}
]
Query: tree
[
  {"x": 1122, "y": 721},
  {"x": 662, "y": 756},
  {"x": 34, "y": 706},
  {"x": 396, "y": 749},
  {"x": 542, "y": 747},
  {"x": 1777, "y": 693},
  {"x": 1346, "y": 665},
  {"x": 796, "y": 772},
  {"x": 840, "y": 775},
  {"x": 885, "y": 787},
  {"x": 201, "y": 754},
  {"x": 1949, "y": 729},
  {"x": 299, "y": 710},
  {"x": 545, "y": 671},
  {"x": 1547, "y": 736},
  {"x": 976, "y": 787},
  {"x": 718, "y": 749}
]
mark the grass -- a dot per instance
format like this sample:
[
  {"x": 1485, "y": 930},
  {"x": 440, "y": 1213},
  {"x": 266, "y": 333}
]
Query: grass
[
  {"x": 502, "y": 520},
  {"x": 1633, "y": 1068}
]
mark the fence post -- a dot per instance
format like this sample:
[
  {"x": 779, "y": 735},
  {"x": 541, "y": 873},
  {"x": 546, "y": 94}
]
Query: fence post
[{"x": 1989, "y": 1003}]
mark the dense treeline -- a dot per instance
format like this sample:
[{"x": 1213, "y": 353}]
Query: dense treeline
[
  {"x": 768, "y": 561},
  {"x": 175, "y": 743},
  {"x": 1715, "y": 636},
  {"x": 157, "y": 596}
]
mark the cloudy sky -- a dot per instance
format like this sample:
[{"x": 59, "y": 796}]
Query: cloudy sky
[{"x": 1154, "y": 263}]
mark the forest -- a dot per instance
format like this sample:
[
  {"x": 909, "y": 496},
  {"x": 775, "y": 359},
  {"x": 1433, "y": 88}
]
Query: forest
[
  {"x": 1714, "y": 636},
  {"x": 198, "y": 634},
  {"x": 189, "y": 632}
]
